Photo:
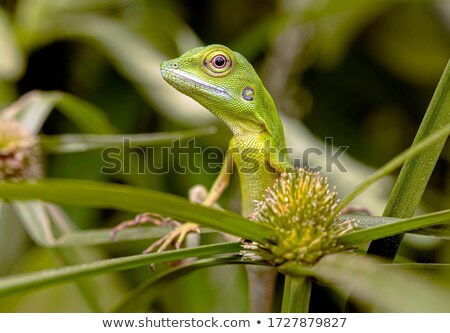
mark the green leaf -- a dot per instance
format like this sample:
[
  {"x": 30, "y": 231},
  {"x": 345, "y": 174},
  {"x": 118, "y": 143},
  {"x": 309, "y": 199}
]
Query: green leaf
[
  {"x": 38, "y": 218},
  {"x": 390, "y": 290},
  {"x": 86, "y": 116},
  {"x": 441, "y": 231},
  {"x": 136, "y": 200},
  {"x": 70, "y": 143},
  {"x": 395, "y": 227},
  {"x": 14, "y": 241},
  {"x": 366, "y": 222},
  {"x": 11, "y": 57},
  {"x": 103, "y": 236},
  {"x": 28, "y": 281},
  {"x": 36, "y": 221},
  {"x": 429, "y": 270},
  {"x": 31, "y": 110},
  {"x": 417, "y": 170}
]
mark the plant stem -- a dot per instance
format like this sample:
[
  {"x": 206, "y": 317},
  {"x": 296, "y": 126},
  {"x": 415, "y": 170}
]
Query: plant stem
[{"x": 297, "y": 292}]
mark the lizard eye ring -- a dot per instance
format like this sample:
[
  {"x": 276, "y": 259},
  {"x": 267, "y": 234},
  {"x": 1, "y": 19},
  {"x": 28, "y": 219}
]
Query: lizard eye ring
[{"x": 217, "y": 63}]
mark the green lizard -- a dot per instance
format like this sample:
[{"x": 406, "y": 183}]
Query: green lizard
[{"x": 226, "y": 84}]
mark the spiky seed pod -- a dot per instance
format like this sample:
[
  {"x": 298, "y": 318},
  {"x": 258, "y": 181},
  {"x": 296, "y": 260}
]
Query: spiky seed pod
[
  {"x": 302, "y": 210},
  {"x": 20, "y": 156}
]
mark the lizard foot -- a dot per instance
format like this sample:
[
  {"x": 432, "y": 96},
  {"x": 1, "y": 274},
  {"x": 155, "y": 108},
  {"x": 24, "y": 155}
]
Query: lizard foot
[{"x": 175, "y": 237}]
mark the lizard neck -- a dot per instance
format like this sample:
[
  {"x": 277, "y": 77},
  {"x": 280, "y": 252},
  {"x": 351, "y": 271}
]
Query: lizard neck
[{"x": 249, "y": 153}]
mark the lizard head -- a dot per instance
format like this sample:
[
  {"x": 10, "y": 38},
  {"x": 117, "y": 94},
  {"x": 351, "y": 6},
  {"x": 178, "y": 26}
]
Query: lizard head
[{"x": 225, "y": 83}]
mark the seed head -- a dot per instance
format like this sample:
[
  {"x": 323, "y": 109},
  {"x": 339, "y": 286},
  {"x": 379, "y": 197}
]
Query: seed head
[
  {"x": 302, "y": 210},
  {"x": 20, "y": 156}
]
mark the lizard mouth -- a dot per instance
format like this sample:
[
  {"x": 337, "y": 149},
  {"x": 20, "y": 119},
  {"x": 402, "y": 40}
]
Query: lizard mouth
[{"x": 179, "y": 79}]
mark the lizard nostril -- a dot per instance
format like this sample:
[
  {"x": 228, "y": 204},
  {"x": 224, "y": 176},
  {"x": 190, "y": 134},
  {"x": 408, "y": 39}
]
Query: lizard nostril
[{"x": 175, "y": 65}]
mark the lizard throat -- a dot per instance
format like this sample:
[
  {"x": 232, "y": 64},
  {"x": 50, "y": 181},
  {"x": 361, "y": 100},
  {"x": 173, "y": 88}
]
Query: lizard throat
[{"x": 183, "y": 80}]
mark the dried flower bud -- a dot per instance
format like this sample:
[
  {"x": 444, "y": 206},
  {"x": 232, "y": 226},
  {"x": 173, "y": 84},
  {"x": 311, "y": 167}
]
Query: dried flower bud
[
  {"x": 20, "y": 156},
  {"x": 302, "y": 210}
]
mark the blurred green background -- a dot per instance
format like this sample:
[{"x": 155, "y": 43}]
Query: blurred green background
[{"x": 360, "y": 71}]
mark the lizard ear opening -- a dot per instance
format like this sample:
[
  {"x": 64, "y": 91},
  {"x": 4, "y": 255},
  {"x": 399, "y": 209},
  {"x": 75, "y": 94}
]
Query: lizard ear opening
[{"x": 248, "y": 94}]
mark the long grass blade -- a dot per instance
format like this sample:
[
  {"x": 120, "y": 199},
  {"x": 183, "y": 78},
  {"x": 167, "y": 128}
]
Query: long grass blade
[
  {"x": 136, "y": 200},
  {"x": 71, "y": 143},
  {"x": 28, "y": 281}
]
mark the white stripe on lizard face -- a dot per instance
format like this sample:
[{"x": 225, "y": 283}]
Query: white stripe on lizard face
[{"x": 166, "y": 72}]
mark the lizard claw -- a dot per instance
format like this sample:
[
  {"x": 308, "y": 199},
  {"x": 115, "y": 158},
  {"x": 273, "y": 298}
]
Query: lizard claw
[
  {"x": 174, "y": 237},
  {"x": 178, "y": 234}
]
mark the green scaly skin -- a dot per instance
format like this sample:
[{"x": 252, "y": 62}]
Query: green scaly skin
[{"x": 226, "y": 84}]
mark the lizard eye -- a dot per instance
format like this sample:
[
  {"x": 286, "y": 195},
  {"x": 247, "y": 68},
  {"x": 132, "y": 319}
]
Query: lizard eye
[{"x": 217, "y": 63}]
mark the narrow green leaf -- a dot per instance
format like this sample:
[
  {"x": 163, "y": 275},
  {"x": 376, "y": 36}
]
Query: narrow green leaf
[
  {"x": 13, "y": 239},
  {"x": 28, "y": 281},
  {"x": 103, "y": 236},
  {"x": 36, "y": 221},
  {"x": 365, "y": 222},
  {"x": 70, "y": 143},
  {"x": 429, "y": 270},
  {"x": 11, "y": 57},
  {"x": 395, "y": 227},
  {"x": 441, "y": 231},
  {"x": 372, "y": 283},
  {"x": 39, "y": 224},
  {"x": 417, "y": 170},
  {"x": 31, "y": 110},
  {"x": 86, "y": 116},
  {"x": 136, "y": 200}
]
